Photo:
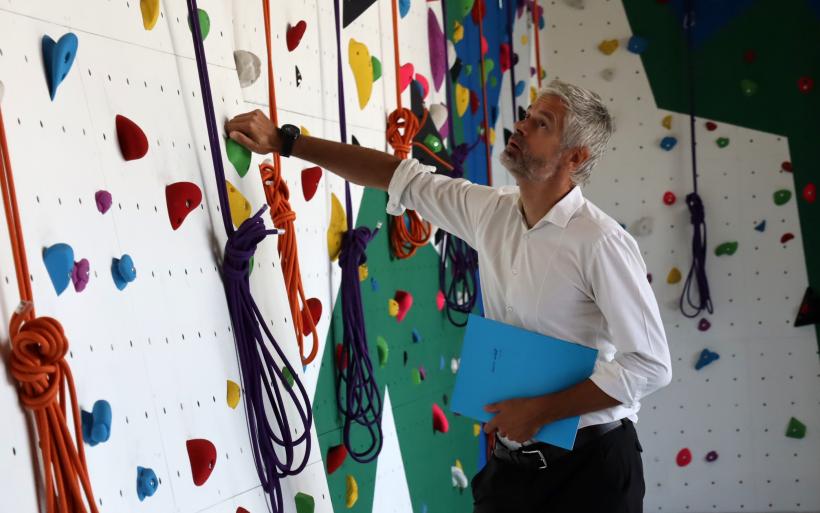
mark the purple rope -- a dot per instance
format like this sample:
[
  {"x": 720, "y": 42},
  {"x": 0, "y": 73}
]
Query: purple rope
[
  {"x": 262, "y": 379},
  {"x": 357, "y": 393}
]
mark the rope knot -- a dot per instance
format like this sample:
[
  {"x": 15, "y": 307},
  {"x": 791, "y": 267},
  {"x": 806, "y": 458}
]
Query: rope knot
[
  {"x": 38, "y": 347},
  {"x": 241, "y": 245},
  {"x": 402, "y": 127}
]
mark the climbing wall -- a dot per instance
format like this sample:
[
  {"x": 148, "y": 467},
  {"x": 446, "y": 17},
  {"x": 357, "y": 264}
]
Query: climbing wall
[{"x": 740, "y": 405}]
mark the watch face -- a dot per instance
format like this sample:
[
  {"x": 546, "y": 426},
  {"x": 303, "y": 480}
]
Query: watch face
[{"x": 290, "y": 130}]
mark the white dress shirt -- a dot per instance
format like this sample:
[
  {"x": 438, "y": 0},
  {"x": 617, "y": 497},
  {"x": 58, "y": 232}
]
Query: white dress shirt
[{"x": 576, "y": 275}]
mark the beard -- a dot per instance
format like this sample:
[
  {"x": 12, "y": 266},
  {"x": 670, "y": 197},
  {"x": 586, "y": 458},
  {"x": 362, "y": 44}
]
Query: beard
[{"x": 523, "y": 164}]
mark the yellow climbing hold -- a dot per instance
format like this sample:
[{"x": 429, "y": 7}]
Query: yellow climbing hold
[
  {"x": 462, "y": 99},
  {"x": 150, "y": 13},
  {"x": 337, "y": 228},
  {"x": 674, "y": 276},
  {"x": 362, "y": 66},
  {"x": 392, "y": 307},
  {"x": 525, "y": 39},
  {"x": 458, "y": 464},
  {"x": 492, "y": 136},
  {"x": 240, "y": 208},
  {"x": 533, "y": 94},
  {"x": 608, "y": 46},
  {"x": 233, "y": 394},
  {"x": 303, "y": 130},
  {"x": 667, "y": 122},
  {"x": 363, "y": 272},
  {"x": 458, "y": 32},
  {"x": 476, "y": 429},
  {"x": 352, "y": 494}
]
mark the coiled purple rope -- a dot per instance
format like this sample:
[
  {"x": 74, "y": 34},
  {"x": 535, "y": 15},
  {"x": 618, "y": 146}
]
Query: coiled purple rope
[
  {"x": 262, "y": 379},
  {"x": 357, "y": 392}
]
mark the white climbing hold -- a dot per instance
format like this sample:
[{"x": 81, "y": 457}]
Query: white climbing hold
[
  {"x": 438, "y": 112},
  {"x": 608, "y": 74},
  {"x": 451, "y": 53},
  {"x": 248, "y": 67},
  {"x": 459, "y": 479},
  {"x": 642, "y": 227},
  {"x": 454, "y": 363}
]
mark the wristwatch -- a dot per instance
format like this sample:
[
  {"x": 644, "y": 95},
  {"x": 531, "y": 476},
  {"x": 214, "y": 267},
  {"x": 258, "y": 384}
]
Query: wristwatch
[{"x": 289, "y": 134}]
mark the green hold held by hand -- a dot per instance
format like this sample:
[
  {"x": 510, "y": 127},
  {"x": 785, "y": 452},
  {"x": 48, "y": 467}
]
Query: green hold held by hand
[
  {"x": 782, "y": 197},
  {"x": 239, "y": 156},
  {"x": 727, "y": 248}
]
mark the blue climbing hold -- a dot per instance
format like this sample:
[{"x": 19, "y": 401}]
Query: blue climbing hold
[
  {"x": 441, "y": 363},
  {"x": 123, "y": 271},
  {"x": 706, "y": 357},
  {"x": 97, "y": 424},
  {"x": 58, "y": 58},
  {"x": 59, "y": 260},
  {"x": 147, "y": 482},
  {"x": 637, "y": 44},
  {"x": 416, "y": 336},
  {"x": 668, "y": 142},
  {"x": 520, "y": 87},
  {"x": 761, "y": 227},
  {"x": 404, "y": 7},
  {"x": 374, "y": 285}
]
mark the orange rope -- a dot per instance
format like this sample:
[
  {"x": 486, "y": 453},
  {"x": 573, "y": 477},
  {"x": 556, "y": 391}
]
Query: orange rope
[
  {"x": 402, "y": 127},
  {"x": 37, "y": 362},
  {"x": 481, "y": 8},
  {"x": 283, "y": 216},
  {"x": 535, "y": 22}
]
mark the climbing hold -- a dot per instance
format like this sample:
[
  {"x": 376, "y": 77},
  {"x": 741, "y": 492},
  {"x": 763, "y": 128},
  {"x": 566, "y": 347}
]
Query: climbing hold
[
  {"x": 239, "y": 156},
  {"x": 392, "y": 307},
  {"x": 489, "y": 66},
  {"x": 363, "y": 272},
  {"x": 711, "y": 126},
  {"x": 786, "y": 166},
  {"x": 304, "y": 131},
  {"x": 80, "y": 274},
  {"x": 123, "y": 271},
  {"x": 362, "y": 66},
  {"x": 304, "y": 503},
  {"x": 133, "y": 143},
  {"x": 96, "y": 425},
  {"x": 416, "y": 336},
  {"x": 240, "y": 207},
  {"x": 405, "y": 301},
  {"x": 608, "y": 74},
  {"x": 504, "y": 57},
  {"x": 637, "y": 44},
  {"x": 684, "y": 457},
  {"x": 706, "y": 357},
  {"x": 668, "y": 142},
  {"x": 58, "y": 58},
  {"x": 649, "y": 277},
  {"x": 405, "y": 75},
  {"x": 313, "y": 308},
  {"x": 233, "y": 394},
  {"x": 383, "y": 350},
  {"x": 641, "y": 227},
  {"x": 310, "y": 181},
  {"x": 416, "y": 376},
  {"x": 674, "y": 276},
  {"x": 59, "y": 261},
  {"x": 248, "y": 67},
  {"x": 204, "y": 23},
  {"x": 454, "y": 364},
  {"x": 749, "y": 56},
  {"x": 809, "y": 311},
  {"x": 533, "y": 95},
  {"x": 439, "y": 114},
  {"x": 436, "y": 49},
  {"x": 727, "y": 248},
  {"x": 441, "y": 362},
  {"x": 761, "y": 226},
  {"x": 421, "y": 82},
  {"x": 335, "y": 457},
  {"x": 749, "y": 87},
  {"x": 377, "y": 68},
  {"x": 786, "y": 237},
  {"x": 405, "y": 358},
  {"x": 440, "y": 422},
  {"x": 288, "y": 376},
  {"x": 374, "y": 284},
  {"x": 476, "y": 429},
  {"x": 341, "y": 357},
  {"x": 150, "y": 13},
  {"x": 440, "y": 300},
  {"x": 351, "y": 491},
  {"x": 423, "y": 376},
  {"x": 459, "y": 479},
  {"x": 711, "y": 456},
  {"x": 202, "y": 455},
  {"x": 810, "y": 193},
  {"x": 782, "y": 197},
  {"x": 669, "y": 198},
  {"x": 722, "y": 142},
  {"x": 666, "y": 122},
  {"x": 795, "y": 429},
  {"x": 147, "y": 482},
  {"x": 704, "y": 324},
  {"x": 240, "y": 509},
  {"x": 805, "y": 84},
  {"x": 336, "y": 229},
  {"x": 433, "y": 143},
  {"x": 103, "y": 200},
  {"x": 520, "y": 87},
  {"x": 181, "y": 198},
  {"x": 473, "y": 102},
  {"x": 608, "y": 46},
  {"x": 294, "y": 34}
]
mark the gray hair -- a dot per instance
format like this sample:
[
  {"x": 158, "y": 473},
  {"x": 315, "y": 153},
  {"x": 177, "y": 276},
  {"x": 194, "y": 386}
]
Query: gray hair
[{"x": 586, "y": 124}]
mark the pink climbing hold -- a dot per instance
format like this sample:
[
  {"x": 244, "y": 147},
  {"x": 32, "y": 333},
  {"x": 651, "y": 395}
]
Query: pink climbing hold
[
  {"x": 440, "y": 422},
  {"x": 103, "y": 200},
  {"x": 294, "y": 34},
  {"x": 684, "y": 457},
  {"x": 405, "y": 76},
  {"x": 669, "y": 198},
  {"x": 440, "y": 300},
  {"x": 405, "y": 301},
  {"x": 805, "y": 84}
]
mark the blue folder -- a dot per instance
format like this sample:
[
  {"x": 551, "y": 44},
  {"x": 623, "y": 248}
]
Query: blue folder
[{"x": 500, "y": 362}]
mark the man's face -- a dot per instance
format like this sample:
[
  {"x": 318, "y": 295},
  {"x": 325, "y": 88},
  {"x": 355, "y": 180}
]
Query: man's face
[{"x": 533, "y": 152}]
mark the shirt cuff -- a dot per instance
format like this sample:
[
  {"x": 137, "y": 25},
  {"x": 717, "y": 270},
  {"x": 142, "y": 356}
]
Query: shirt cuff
[
  {"x": 402, "y": 176},
  {"x": 619, "y": 382}
]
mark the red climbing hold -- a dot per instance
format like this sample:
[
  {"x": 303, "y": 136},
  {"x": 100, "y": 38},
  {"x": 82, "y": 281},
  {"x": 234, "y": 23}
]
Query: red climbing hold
[
  {"x": 202, "y": 455},
  {"x": 810, "y": 193},
  {"x": 295, "y": 33},
  {"x": 240, "y": 509},
  {"x": 336, "y": 455},
  {"x": 786, "y": 237},
  {"x": 440, "y": 422},
  {"x": 504, "y": 57},
  {"x": 310, "y": 181},
  {"x": 182, "y": 198},
  {"x": 749, "y": 56},
  {"x": 478, "y": 11},
  {"x": 484, "y": 46},
  {"x": 805, "y": 84},
  {"x": 711, "y": 126},
  {"x": 440, "y": 300},
  {"x": 406, "y": 72},
  {"x": 684, "y": 457},
  {"x": 669, "y": 198},
  {"x": 473, "y": 102},
  {"x": 314, "y": 309},
  {"x": 405, "y": 301},
  {"x": 425, "y": 85},
  {"x": 786, "y": 166},
  {"x": 341, "y": 357},
  {"x": 133, "y": 143}
]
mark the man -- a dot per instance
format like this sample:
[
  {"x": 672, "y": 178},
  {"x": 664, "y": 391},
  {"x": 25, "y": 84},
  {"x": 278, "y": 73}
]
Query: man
[{"x": 551, "y": 262}]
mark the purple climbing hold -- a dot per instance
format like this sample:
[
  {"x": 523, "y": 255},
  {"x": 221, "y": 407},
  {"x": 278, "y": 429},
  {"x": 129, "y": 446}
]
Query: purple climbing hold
[
  {"x": 704, "y": 324},
  {"x": 711, "y": 456},
  {"x": 80, "y": 274},
  {"x": 103, "y": 200}
]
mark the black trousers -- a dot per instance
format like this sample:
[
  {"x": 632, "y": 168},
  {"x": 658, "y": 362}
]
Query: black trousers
[{"x": 603, "y": 476}]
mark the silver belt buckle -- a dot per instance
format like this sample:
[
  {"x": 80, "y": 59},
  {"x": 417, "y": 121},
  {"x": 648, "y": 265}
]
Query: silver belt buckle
[{"x": 540, "y": 455}]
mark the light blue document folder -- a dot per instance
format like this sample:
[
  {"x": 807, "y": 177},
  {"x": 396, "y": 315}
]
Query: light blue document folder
[{"x": 500, "y": 362}]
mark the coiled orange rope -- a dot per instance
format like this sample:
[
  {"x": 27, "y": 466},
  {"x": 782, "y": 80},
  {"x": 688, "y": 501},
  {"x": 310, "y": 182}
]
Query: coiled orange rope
[
  {"x": 37, "y": 362},
  {"x": 283, "y": 216},
  {"x": 402, "y": 127}
]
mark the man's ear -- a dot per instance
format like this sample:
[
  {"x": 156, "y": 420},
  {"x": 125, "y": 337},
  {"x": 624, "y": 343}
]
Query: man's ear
[{"x": 577, "y": 156}]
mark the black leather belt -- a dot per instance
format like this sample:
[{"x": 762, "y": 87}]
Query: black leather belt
[{"x": 539, "y": 455}]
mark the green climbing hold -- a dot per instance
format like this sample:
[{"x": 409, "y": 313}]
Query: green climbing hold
[
  {"x": 416, "y": 375},
  {"x": 722, "y": 142},
  {"x": 489, "y": 66},
  {"x": 727, "y": 248},
  {"x": 377, "y": 68},
  {"x": 383, "y": 350},
  {"x": 433, "y": 143},
  {"x": 749, "y": 87},
  {"x": 288, "y": 376},
  {"x": 250, "y": 266},
  {"x": 239, "y": 156},
  {"x": 796, "y": 429},
  {"x": 782, "y": 197},
  {"x": 304, "y": 503},
  {"x": 493, "y": 81},
  {"x": 468, "y": 69},
  {"x": 204, "y": 23},
  {"x": 466, "y": 7}
]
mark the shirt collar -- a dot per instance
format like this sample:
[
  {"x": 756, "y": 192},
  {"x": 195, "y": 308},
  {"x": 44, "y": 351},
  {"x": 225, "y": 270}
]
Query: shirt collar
[{"x": 561, "y": 212}]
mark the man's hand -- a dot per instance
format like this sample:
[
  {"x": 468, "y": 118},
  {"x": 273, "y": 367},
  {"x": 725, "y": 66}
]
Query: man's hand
[
  {"x": 254, "y": 131},
  {"x": 516, "y": 419}
]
